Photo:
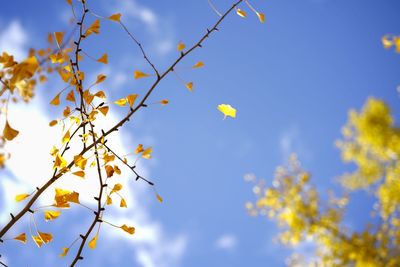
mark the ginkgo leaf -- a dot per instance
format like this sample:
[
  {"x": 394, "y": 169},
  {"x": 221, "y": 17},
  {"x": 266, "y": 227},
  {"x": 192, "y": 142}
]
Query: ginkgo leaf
[
  {"x": 109, "y": 171},
  {"x": 198, "y": 65},
  {"x": 121, "y": 102},
  {"x": 122, "y": 204},
  {"x": 53, "y": 123},
  {"x": 21, "y": 238},
  {"x": 180, "y": 46},
  {"x": 70, "y": 96},
  {"x": 104, "y": 110},
  {"x": 138, "y": 74},
  {"x": 64, "y": 253},
  {"x": 92, "y": 244},
  {"x": 56, "y": 100},
  {"x": 59, "y": 38},
  {"x": 66, "y": 137},
  {"x": 38, "y": 241},
  {"x": 159, "y": 198},
  {"x": 227, "y": 110},
  {"x": 103, "y": 59},
  {"x": 108, "y": 158},
  {"x": 189, "y": 86},
  {"x": 147, "y": 153},
  {"x": 241, "y": 13},
  {"x": 8, "y": 132},
  {"x": 79, "y": 173},
  {"x": 115, "y": 17},
  {"x": 59, "y": 162},
  {"x": 94, "y": 28},
  {"x": 80, "y": 161},
  {"x": 131, "y": 99},
  {"x": 63, "y": 197},
  {"x": 117, "y": 170},
  {"x": 100, "y": 94},
  {"x": 261, "y": 17},
  {"x": 101, "y": 78},
  {"x": 128, "y": 229},
  {"x": 386, "y": 42},
  {"x": 20, "y": 197},
  {"x": 69, "y": 2},
  {"x": 164, "y": 102},
  {"x": 139, "y": 149},
  {"x": 46, "y": 237},
  {"x": 116, "y": 188},
  {"x": 109, "y": 200},
  {"x": 51, "y": 215}
]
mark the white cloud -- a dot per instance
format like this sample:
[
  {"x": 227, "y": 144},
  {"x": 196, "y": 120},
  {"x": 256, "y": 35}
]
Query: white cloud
[
  {"x": 226, "y": 242},
  {"x": 13, "y": 40}
]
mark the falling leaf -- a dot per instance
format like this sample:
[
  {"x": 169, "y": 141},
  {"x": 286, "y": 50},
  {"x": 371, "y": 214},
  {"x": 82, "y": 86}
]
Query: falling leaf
[
  {"x": 189, "y": 86},
  {"x": 128, "y": 229},
  {"x": 101, "y": 78},
  {"x": 92, "y": 244},
  {"x": 138, "y": 74},
  {"x": 261, "y": 17},
  {"x": 21, "y": 238},
  {"x": 9, "y": 133},
  {"x": 164, "y": 102},
  {"x": 131, "y": 99},
  {"x": 56, "y": 100},
  {"x": 79, "y": 173},
  {"x": 59, "y": 38},
  {"x": 241, "y": 13},
  {"x": 147, "y": 153},
  {"x": 122, "y": 204},
  {"x": 198, "y": 65},
  {"x": 20, "y": 197},
  {"x": 53, "y": 123},
  {"x": 181, "y": 46},
  {"x": 227, "y": 110},
  {"x": 115, "y": 17},
  {"x": 159, "y": 198},
  {"x": 65, "y": 252},
  {"x": 103, "y": 59},
  {"x": 104, "y": 110},
  {"x": 139, "y": 149},
  {"x": 121, "y": 102},
  {"x": 51, "y": 215}
]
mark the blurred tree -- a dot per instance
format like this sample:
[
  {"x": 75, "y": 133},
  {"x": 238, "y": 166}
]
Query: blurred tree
[{"x": 371, "y": 142}]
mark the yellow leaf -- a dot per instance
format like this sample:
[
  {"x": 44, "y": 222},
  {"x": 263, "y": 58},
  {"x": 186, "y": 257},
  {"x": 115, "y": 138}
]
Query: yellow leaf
[
  {"x": 147, "y": 153},
  {"x": 138, "y": 74},
  {"x": 51, "y": 215},
  {"x": 109, "y": 171},
  {"x": 198, "y": 65},
  {"x": 116, "y": 188},
  {"x": 227, "y": 110},
  {"x": 139, "y": 149},
  {"x": 261, "y": 17},
  {"x": 386, "y": 42},
  {"x": 20, "y": 197},
  {"x": 38, "y": 241},
  {"x": 9, "y": 133},
  {"x": 92, "y": 244},
  {"x": 122, "y": 204},
  {"x": 52, "y": 123},
  {"x": 100, "y": 94},
  {"x": 79, "y": 173},
  {"x": 115, "y": 17},
  {"x": 65, "y": 252},
  {"x": 21, "y": 238},
  {"x": 104, "y": 110},
  {"x": 63, "y": 197},
  {"x": 131, "y": 99},
  {"x": 241, "y": 13},
  {"x": 109, "y": 200},
  {"x": 159, "y": 198},
  {"x": 45, "y": 237},
  {"x": 56, "y": 100},
  {"x": 189, "y": 86},
  {"x": 103, "y": 59},
  {"x": 66, "y": 111},
  {"x": 59, "y": 38},
  {"x": 180, "y": 46},
  {"x": 71, "y": 96},
  {"x": 80, "y": 161},
  {"x": 94, "y": 28},
  {"x": 101, "y": 78},
  {"x": 66, "y": 137},
  {"x": 121, "y": 102},
  {"x": 128, "y": 229},
  {"x": 164, "y": 102}
]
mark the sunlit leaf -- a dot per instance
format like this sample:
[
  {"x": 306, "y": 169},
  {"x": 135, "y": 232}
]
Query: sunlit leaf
[
  {"x": 94, "y": 28},
  {"x": 53, "y": 123},
  {"x": 20, "y": 197},
  {"x": 80, "y": 161},
  {"x": 21, "y": 238},
  {"x": 56, "y": 100},
  {"x": 104, "y": 110},
  {"x": 59, "y": 38},
  {"x": 180, "y": 46},
  {"x": 198, "y": 65},
  {"x": 159, "y": 198},
  {"x": 241, "y": 13},
  {"x": 227, "y": 110},
  {"x": 128, "y": 229},
  {"x": 164, "y": 102},
  {"x": 71, "y": 96},
  {"x": 38, "y": 241},
  {"x": 122, "y": 204},
  {"x": 109, "y": 200},
  {"x": 131, "y": 99},
  {"x": 51, "y": 215},
  {"x": 147, "y": 153},
  {"x": 64, "y": 253},
  {"x": 189, "y": 86},
  {"x": 138, "y": 74},
  {"x": 139, "y": 149},
  {"x": 66, "y": 137},
  {"x": 261, "y": 17},
  {"x": 79, "y": 173},
  {"x": 92, "y": 244},
  {"x": 101, "y": 78},
  {"x": 109, "y": 171},
  {"x": 115, "y": 17},
  {"x": 103, "y": 59},
  {"x": 121, "y": 102},
  {"x": 116, "y": 188}
]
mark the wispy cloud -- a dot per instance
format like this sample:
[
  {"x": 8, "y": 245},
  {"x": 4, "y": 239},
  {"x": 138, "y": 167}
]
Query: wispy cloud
[
  {"x": 13, "y": 39},
  {"x": 226, "y": 242}
]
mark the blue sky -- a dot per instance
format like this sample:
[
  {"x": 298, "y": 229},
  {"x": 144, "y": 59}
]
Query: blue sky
[{"x": 292, "y": 80}]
